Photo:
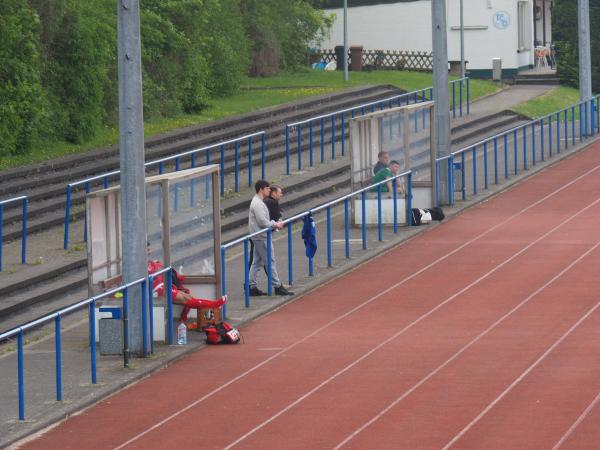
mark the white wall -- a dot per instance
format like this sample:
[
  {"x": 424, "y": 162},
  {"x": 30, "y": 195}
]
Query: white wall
[
  {"x": 396, "y": 26},
  {"x": 407, "y": 26}
]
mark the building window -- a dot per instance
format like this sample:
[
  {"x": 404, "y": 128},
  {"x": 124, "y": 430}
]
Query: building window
[{"x": 524, "y": 24}]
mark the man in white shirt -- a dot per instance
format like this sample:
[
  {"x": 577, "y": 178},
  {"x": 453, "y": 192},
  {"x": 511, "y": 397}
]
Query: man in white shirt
[{"x": 258, "y": 219}]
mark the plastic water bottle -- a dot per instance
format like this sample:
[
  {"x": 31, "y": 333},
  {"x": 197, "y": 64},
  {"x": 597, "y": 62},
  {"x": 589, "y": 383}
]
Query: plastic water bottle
[{"x": 182, "y": 334}]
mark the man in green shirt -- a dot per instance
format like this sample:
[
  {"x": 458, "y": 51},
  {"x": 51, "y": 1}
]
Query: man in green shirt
[{"x": 384, "y": 174}]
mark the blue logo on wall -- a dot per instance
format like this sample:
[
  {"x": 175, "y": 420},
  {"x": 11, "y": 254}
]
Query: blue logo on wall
[{"x": 501, "y": 20}]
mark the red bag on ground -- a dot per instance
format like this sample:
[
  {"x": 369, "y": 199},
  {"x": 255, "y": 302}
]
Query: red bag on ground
[{"x": 221, "y": 333}]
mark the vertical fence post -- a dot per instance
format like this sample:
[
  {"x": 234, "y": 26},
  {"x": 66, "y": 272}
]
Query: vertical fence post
[
  {"x": 250, "y": 161},
  {"x": 1, "y": 232},
  {"x": 573, "y": 124},
  {"x": 485, "y": 165},
  {"x": 516, "y": 153},
  {"x": 290, "y": 254},
  {"x": 409, "y": 198},
  {"x": 329, "y": 252},
  {"x": 450, "y": 178},
  {"x": 333, "y": 136},
  {"x": 223, "y": 279},
  {"x": 287, "y": 149},
  {"x": 67, "y": 217},
  {"x": 379, "y": 224},
  {"x": 525, "y": 148},
  {"x": 533, "y": 149},
  {"x": 343, "y": 135},
  {"x": 236, "y": 147},
  {"x": 147, "y": 286},
  {"x": 363, "y": 200},
  {"x": 58, "y": 351},
  {"x": 453, "y": 99},
  {"x": 474, "y": 170},
  {"x": 126, "y": 327},
  {"x": 542, "y": 139},
  {"x": 144, "y": 319},
  {"x": 558, "y": 132},
  {"x": 269, "y": 262},
  {"x": 437, "y": 182},
  {"x": 23, "y": 234},
  {"x": 549, "y": 137},
  {"x": 88, "y": 188},
  {"x": 222, "y": 170},
  {"x": 20, "y": 377},
  {"x": 346, "y": 228},
  {"x": 246, "y": 275},
  {"x": 460, "y": 96},
  {"x": 395, "y": 197},
  {"x": 161, "y": 168},
  {"x": 496, "y": 160},
  {"x": 580, "y": 122},
  {"x": 92, "y": 315},
  {"x": 463, "y": 175},
  {"x": 322, "y": 140},
  {"x": 263, "y": 148},
  {"x": 505, "y": 156},
  {"x": 310, "y": 144},
  {"x": 299, "y": 129},
  {"x": 566, "y": 128},
  {"x": 468, "y": 96}
]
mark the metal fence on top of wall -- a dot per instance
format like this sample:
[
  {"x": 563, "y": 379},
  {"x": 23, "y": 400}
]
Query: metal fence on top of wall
[{"x": 387, "y": 59}]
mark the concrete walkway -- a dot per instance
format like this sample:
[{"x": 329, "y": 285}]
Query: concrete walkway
[{"x": 41, "y": 408}]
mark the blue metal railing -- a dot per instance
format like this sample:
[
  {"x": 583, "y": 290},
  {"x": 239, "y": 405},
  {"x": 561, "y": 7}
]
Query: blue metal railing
[
  {"x": 57, "y": 316},
  {"x": 192, "y": 154},
  {"x": 327, "y": 207},
  {"x": 532, "y": 142},
  {"x": 24, "y": 201},
  {"x": 460, "y": 91}
]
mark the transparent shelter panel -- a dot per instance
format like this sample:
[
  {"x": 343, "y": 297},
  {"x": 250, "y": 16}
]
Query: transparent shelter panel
[
  {"x": 192, "y": 225},
  {"x": 154, "y": 222},
  {"x": 392, "y": 138}
]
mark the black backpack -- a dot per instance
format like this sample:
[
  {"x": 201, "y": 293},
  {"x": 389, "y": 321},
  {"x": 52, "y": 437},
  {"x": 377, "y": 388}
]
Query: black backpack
[{"x": 436, "y": 213}]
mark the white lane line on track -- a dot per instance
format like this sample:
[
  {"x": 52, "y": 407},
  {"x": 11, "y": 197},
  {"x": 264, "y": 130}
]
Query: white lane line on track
[
  {"x": 580, "y": 419},
  {"x": 520, "y": 377},
  {"x": 407, "y": 327},
  {"x": 353, "y": 310},
  {"x": 463, "y": 349}
]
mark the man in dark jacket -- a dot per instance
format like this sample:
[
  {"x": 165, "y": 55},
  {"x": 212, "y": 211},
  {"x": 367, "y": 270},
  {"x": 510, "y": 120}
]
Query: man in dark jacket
[{"x": 272, "y": 202}]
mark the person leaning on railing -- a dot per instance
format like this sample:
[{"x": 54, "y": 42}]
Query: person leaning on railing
[
  {"x": 258, "y": 219},
  {"x": 384, "y": 174}
]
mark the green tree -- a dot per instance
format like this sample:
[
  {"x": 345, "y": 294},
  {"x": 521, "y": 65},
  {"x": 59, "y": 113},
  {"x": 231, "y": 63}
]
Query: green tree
[
  {"x": 80, "y": 52},
  {"x": 281, "y": 32},
  {"x": 565, "y": 36},
  {"x": 22, "y": 107}
]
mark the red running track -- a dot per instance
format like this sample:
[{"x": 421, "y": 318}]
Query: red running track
[{"x": 483, "y": 333}]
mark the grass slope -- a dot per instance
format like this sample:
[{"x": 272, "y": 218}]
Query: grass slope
[{"x": 255, "y": 93}]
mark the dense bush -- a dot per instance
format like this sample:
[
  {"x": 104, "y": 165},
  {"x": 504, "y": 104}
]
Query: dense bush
[
  {"x": 58, "y": 59},
  {"x": 281, "y": 31},
  {"x": 22, "y": 103},
  {"x": 565, "y": 35}
]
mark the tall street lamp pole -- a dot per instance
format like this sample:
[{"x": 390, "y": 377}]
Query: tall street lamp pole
[{"x": 345, "y": 40}]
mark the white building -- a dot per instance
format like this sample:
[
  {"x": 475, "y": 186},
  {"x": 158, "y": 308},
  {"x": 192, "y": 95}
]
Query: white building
[{"x": 493, "y": 28}]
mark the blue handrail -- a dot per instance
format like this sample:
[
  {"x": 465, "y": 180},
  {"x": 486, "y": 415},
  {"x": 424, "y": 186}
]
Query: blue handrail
[
  {"x": 19, "y": 332},
  {"x": 545, "y": 131},
  {"x": 324, "y": 207},
  {"x": 25, "y": 201},
  {"x": 396, "y": 100},
  {"x": 87, "y": 182}
]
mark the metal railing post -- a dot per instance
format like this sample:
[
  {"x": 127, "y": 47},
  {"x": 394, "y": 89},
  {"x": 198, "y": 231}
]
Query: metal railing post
[
  {"x": 329, "y": 253},
  {"x": 67, "y": 217},
  {"x": 269, "y": 262},
  {"x": 290, "y": 255},
  {"x": 57, "y": 350},
  {"x": 92, "y": 316},
  {"x": 23, "y": 233},
  {"x": 20, "y": 376},
  {"x": 246, "y": 275}
]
